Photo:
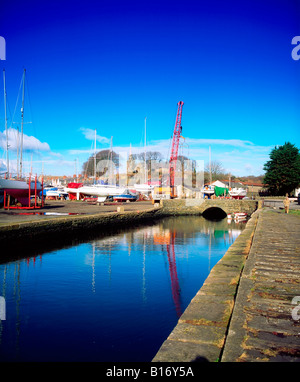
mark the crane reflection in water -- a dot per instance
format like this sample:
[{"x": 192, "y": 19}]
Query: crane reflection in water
[{"x": 170, "y": 236}]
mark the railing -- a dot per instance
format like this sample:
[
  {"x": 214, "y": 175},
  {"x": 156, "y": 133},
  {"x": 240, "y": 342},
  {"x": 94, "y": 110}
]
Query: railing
[{"x": 273, "y": 203}]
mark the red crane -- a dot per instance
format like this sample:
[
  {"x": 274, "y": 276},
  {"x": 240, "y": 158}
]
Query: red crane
[{"x": 175, "y": 145}]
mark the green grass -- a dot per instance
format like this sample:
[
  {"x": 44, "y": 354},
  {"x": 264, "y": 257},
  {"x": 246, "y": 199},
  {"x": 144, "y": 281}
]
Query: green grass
[{"x": 294, "y": 212}]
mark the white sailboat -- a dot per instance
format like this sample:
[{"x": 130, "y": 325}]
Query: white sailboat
[
  {"x": 237, "y": 193},
  {"x": 208, "y": 189},
  {"x": 146, "y": 187},
  {"x": 102, "y": 191},
  {"x": 18, "y": 189}
]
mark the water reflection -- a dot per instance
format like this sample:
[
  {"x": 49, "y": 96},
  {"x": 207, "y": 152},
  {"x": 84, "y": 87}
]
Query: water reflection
[
  {"x": 164, "y": 238},
  {"x": 114, "y": 298}
]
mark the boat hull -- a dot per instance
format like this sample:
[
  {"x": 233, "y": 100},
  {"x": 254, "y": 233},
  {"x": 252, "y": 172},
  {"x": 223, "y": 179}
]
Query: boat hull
[
  {"x": 237, "y": 193},
  {"x": 99, "y": 190},
  {"x": 125, "y": 198},
  {"x": 144, "y": 188},
  {"x": 208, "y": 190},
  {"x": 56, "y": 194},
  {"x": 72, "y": 190},
  {"x": 19, "y": 189}
]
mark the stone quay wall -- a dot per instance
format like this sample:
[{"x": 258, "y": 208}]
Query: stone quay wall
[{"x": 198, "y": 206}]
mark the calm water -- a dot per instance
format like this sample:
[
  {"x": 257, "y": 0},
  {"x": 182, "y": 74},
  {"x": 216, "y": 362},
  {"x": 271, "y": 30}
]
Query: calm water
[{"x": 114, "y": 298}]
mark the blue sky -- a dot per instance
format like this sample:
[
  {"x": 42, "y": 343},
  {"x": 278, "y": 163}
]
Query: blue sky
[{"x": 106, "y": 65}]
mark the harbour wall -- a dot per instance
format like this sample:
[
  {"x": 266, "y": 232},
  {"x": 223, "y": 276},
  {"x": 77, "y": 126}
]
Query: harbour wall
[
  {"x": 75, "y": 226},
  {"x": 199, "y": 206}
]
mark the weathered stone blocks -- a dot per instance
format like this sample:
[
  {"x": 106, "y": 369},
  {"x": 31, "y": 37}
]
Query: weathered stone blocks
[{"x": 202, "y": 328}]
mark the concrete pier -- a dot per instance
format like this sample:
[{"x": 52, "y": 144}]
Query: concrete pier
[{"x": 265, "y": 324}]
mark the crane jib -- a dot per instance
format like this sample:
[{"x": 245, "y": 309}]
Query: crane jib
[{"x": 175, "y": 143}]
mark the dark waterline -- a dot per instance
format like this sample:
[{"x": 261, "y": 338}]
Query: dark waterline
[{"x": 113, "y": 298}]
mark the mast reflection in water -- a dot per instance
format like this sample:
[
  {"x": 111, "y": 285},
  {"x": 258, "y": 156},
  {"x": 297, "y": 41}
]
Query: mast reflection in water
[{"x": 116, "y": 298}]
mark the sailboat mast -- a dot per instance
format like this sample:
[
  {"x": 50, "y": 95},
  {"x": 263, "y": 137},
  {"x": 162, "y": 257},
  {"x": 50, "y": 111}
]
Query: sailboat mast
[
  {"x": 5, "y": 116},
  {"x": 210, "y": 178},
  {"x": 111, "y": 145},
  {"x": 110, "y": 175},
  {"x": 18, "y": 151},
  {"x": 95, "y": 158},
  {"x": 22, "y": 123}
]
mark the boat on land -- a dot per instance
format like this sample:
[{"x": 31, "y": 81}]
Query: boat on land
[
  {"x": 54, "y": 192},
  {"x": 127, "y": 196},
  {"x": 145, "y": 188},
  {"x": 72, "y": 190},
  {"x": 19, "y": 189},
  {"x": 237, "y": 193},
  {"x": 102, "y": 191},
  {"x": 208, "y": 190}
]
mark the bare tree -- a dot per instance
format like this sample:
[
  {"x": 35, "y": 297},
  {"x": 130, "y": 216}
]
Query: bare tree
[
  {"x": 88, "y": 166},
  {"x": 216, "y": 169}
]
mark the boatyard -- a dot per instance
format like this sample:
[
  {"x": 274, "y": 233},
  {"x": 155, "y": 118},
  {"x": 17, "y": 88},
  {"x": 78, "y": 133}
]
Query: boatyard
[{"x": 68, "y": 208}]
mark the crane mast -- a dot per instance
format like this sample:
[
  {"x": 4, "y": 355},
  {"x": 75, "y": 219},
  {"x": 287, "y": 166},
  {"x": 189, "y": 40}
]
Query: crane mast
[
  {"x": 162, "y": 192},
  {"x": 175, "y": 145}
]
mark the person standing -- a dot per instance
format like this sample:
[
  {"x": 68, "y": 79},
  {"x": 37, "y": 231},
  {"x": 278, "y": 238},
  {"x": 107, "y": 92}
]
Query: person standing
[{"x": 286, "y": 204}]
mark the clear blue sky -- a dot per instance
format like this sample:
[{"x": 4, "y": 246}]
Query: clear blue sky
[{"x": 106, "y": 65}]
